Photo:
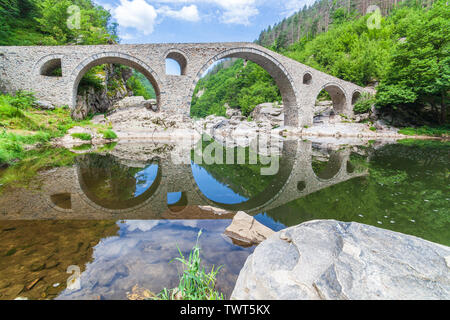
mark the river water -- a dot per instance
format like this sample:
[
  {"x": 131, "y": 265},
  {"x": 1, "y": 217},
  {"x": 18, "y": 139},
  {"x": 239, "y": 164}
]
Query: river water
[{"x": 119, "y": 214}]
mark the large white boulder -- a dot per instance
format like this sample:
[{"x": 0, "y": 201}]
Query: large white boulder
[{"x": 327, "y": 259}]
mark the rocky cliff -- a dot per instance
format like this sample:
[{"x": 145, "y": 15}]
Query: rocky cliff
[{"x": 110, "y": 87}]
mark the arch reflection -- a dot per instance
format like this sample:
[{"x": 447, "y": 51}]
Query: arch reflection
[
  {"x": 111, "y": 184},
  {"x": 326, "y": 163},
  {"x": 236, "y": 187}
]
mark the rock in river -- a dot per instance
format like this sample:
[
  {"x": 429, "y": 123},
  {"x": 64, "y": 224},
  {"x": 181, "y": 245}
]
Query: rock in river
[
  {"x": 327, "y": 259},
  {"x": 246, "y": 230}
]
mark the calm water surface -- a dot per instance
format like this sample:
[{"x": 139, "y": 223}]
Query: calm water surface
[{"x": 121, "y": 212}]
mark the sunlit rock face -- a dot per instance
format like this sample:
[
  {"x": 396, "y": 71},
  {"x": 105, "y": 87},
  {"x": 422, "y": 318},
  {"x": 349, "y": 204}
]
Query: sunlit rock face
[{"x": 327, "y": 259}]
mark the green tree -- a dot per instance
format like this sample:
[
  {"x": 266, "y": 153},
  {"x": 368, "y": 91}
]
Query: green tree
[
  {"x": 94, "y": 21},
  {"x": 240, "y": 86},
  {"x": 419, "y": 71}
]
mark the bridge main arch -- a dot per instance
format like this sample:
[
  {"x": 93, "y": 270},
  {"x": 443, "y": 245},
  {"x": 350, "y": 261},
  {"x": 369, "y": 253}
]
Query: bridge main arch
[
  {"x": 277, "y": 71},
  {"x": 113, "y": 58}
]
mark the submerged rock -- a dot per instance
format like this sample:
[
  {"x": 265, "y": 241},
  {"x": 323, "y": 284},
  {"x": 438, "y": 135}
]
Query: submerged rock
[
  {"x": 214, "y": 210},
  {"x": 246, "y": 230},
  {"x": 139, "y": 293},
  {"x": 327, "y": 259}
]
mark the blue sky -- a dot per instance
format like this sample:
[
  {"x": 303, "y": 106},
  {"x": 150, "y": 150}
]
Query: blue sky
[{"x": 166, "y": 21}]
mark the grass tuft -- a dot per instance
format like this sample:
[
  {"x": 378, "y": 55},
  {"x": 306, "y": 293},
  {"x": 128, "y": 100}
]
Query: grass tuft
[
  {"x": 195, "y": 283},
  {"x": 82, "y": 136},
  {"x": 108, "y": 134}
]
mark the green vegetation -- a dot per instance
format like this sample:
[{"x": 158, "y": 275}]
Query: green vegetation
[
  {"x": 408, "y": 55},
  {"x": 141, "y": 86},
  {"x": 318, "y": 17},
  {"x": 108, "y": 134},
  {"x": 107, "y": 147},
  {"x": 195, "y": 283},
  {"x": 93, "y": 78},
  {"x": 442, "y": 131},
  {"x": 44, "y": 22},
  {"x": 241, "y": 86},
  {"x": 406, "y": 191},
  {"x": 82, "y": 136},
  {"x": 418, "y": 72},
  {"x": 22, "y": 125},
  {"x": 245, "y": 179},
  {"x": 83, "y": 147},
  {"x": 364, "y": 103},
  {"x": 32, "y": 161}
]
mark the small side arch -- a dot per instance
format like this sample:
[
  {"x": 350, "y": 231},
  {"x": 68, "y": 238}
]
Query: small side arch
[
  {"x": 307, "y": 78},
  {"x": 355, "y": 96},
  {"x": 180, "y": 57},
  {"x": 48, "y": 64},
  {"x": 180, "y": 204},
  {"x": 337, "y": 94}
]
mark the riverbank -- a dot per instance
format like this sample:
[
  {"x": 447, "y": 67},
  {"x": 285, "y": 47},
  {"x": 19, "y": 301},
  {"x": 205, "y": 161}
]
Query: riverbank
[
  {"x": 28, "y": 124},
  {"x": 138, "y": 122}
]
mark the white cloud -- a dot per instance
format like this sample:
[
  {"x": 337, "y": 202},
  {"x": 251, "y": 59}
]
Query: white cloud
[
  {"x": 293, "y": 6},
  {"x": 137, "y": 14},
  {"x": 143, "y": 16},
  {"x": 188, "y": 13},
  {"x": 238, "y": 11},
  {"x": 231, "y": 11}
]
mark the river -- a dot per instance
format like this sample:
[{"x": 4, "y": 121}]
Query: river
[{"x": 119, "y": 214}]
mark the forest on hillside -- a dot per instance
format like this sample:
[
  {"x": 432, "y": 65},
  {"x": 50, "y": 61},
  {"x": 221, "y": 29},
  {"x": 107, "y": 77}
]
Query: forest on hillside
[
  {"x": 236, "y": 84},
  {"x": 317, "y": 18},
  {"x": 406, "y": 58}
]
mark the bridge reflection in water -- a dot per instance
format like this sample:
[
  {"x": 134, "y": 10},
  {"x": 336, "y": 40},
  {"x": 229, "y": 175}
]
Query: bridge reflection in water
[{"x": 147, "y": 181}]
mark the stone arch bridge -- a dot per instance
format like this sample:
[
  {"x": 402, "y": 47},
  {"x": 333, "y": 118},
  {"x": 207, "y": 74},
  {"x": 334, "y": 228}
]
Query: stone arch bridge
[{"x": 31, "y": 68}]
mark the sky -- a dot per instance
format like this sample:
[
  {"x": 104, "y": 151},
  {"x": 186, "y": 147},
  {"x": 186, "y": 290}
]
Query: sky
[{"x": 175, "y": 21}]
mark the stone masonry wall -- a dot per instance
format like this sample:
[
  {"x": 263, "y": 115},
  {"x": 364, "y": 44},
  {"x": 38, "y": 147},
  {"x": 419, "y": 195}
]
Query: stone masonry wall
[{"x": 20, "y": 68}]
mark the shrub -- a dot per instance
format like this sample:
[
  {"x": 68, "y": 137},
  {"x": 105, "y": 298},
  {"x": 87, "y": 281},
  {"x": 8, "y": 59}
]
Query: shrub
[
  {"x": 441, "y": 131},
  {"x": 364, "y": 103},
  {"x": 109, "y": 134},
  {"x": 23, "y": 100}
]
